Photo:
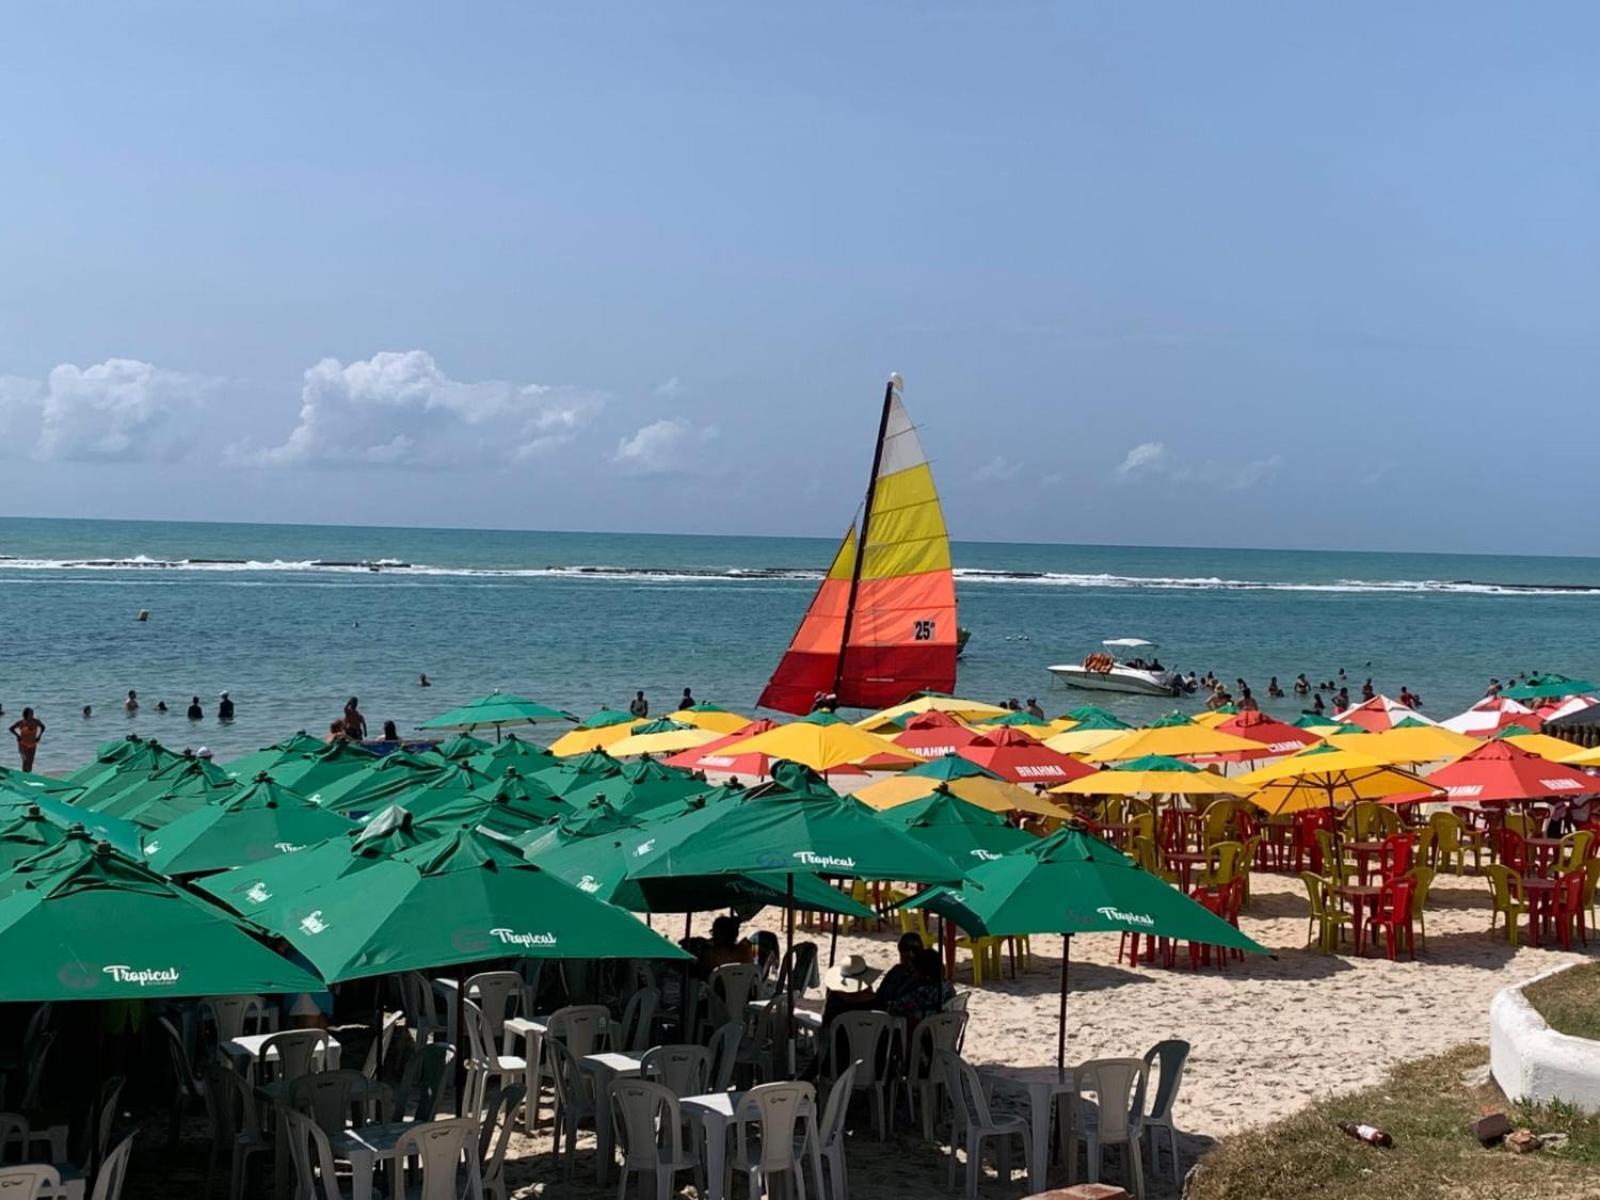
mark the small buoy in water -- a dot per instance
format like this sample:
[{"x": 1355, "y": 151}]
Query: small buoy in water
[{"x": 144, "y": 614}]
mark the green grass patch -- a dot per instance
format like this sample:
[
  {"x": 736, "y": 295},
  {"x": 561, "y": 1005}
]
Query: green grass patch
[
  {"x": 1427, "y": 1108},
  {"x": 1569, "y": 1001}
]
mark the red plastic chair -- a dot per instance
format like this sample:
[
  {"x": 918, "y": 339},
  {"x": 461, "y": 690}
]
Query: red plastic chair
[
  {"x": 1568, "y": 909},
  {"x": 1393, "y": 916},
  {"x": 1394, "y": 857},
  {"x": 1511, "y": 850},
  {"x": 1215, "y": 901}
]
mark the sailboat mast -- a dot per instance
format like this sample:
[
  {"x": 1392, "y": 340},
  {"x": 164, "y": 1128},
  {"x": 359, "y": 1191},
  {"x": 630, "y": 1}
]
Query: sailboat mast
[{"x": 866, "y": 525}]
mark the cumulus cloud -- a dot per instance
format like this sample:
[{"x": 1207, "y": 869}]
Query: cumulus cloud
[
  {"x": 998, "y": 469},
  {"x": 663, "y": 447},
  {"x": 398, "y": 408},
  {"x": 120, "y": 410},
  {"x": 1151, "y": 461},
  {"x": 671, "y": 389}
]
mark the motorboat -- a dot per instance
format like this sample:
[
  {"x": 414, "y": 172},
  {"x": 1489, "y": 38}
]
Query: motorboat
[{"x": 1106, "y": 671}]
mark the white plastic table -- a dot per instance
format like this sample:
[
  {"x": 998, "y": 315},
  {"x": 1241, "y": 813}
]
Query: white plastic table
[
  {"x": 1043, "y": 1085},
  {"x": 713, "y": 1114},
  {"x": 245, "y": 1052},
  {"x": 364, "y": 1149},
  {"x": 531, "y": 1030},
  {"x": 605, "y": 1067}
]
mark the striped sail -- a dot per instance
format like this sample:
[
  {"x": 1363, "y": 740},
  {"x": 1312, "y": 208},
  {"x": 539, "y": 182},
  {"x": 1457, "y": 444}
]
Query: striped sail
[{"x": 882, "y": 625}]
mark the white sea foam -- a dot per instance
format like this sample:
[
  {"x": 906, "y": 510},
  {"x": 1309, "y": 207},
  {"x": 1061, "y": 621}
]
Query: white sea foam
[{"x": 747, "y": 575}]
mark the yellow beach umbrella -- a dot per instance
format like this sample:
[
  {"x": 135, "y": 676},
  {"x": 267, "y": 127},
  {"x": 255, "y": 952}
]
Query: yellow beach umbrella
[
  {"x": 1175, "y": 737},
  {"x": 1214, "y": 718},
  {"x": 709, "y": 716},
  {"x": 1079, "y": 742},
  {"x": 1061, "y": 725},
  {"x": 661, "y": 737},
  {"x": 822, "y": 741},
  {"x": 1408, "y": 744},
  {"x": 1326, "y": 777},
  {"x": 1152, "y": 775},
  {"x": 996, "y": 795},
  {"x": 966, "y": 710},
  {"x": 1576, "y": 757},
  {"x": 1554, "y": 748},
  {"x": 583, "y": 741}
]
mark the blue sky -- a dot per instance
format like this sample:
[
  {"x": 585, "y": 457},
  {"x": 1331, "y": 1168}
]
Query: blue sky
[{"x": 1243, "y": 274}]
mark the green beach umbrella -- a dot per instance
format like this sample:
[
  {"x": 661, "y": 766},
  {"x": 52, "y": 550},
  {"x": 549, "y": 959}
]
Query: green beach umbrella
[
  {"x": 568, "y": 772},
  {"x": 526, "y": 757},
  {"x": 384, "y": 782},
  {"x": 1550, "y": 686},
  {"x": 948, "y": 767},
  {"x": 102, "y": 926},
  {"x": 26, "y": 832},
  {"x": 131, "y": 753},
  {"x": 586, "y": 850},
  {"x": 964, "y": 833},
  {"x": 313, "y": 774},
  {"x": 1316, "y": 721},
  {"x": 261, "y": 821},
  {"x": 462, "y": 745},
  {"x": 1093, "y": 712},
  {"x": 124, "y": 835},
  {"x": 509, "y": 806},
  {"x": 143, "y": 760},
  {"x": 637, "y": 787},
  {"x": 496, "y": 711},
  {"x": 173, "y": 791},
  {"x": 605, "y": 718},
  {"x": 264, "y": 887},
  {"x": 1072, "y": 883},
  {"x": 420, "y": 798},
  {"x": 796, "y": 781},
  {"x": 296, "y": 745},
  {"x": 25, "y": 783},
  {"x": 461, "y": 899}
]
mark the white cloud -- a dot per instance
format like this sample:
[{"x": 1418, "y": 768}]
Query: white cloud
[
  {"x": 671, "y": 389},
  {"x": 663, "y": 447},
  {"x": 997, "y": 470},
  {"x": 121, "y": 410},
  {"x": 1150, "y": 461},
  {"x": 398, "y": 408}
]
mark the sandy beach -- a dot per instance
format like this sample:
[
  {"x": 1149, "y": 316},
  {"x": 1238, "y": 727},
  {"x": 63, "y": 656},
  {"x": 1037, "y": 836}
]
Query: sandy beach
[{"x": 1268, "y": 1035}]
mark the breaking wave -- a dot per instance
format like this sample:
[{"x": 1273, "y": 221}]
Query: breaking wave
[{"x": 966, "y": 575}]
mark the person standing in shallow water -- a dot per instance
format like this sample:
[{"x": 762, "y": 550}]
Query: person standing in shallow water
[
  {"x": 225, "y": 708},
  {"x": 29, "y": 731},
  {"x": 196, "y": 713},
  {"x": 355, "y": 725},
  {"x": 640, "y": 706}
]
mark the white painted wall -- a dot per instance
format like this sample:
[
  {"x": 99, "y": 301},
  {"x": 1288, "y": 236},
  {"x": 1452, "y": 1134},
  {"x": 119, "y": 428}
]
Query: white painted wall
[{"x": 1531, "y": 1061}]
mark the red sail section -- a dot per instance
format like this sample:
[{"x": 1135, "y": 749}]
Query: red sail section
[{"x": 810, "y": 665}]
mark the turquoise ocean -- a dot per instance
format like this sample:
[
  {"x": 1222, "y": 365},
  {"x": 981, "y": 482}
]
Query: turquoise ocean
[{"x": 292, "y": 620}]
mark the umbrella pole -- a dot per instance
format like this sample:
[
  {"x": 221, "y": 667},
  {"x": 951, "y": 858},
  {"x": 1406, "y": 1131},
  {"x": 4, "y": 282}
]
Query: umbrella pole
[
  {"x": 788, "y": 953},
  {"x": 1061, "y": 1034},
  {"x": 460, "y": 1030},
  {"x": 833, "y": 942}
]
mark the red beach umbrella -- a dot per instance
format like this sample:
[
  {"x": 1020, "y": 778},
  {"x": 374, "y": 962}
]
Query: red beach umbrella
[
  {"x": 1500, "y": 772},
  {"x": 935, "y": 734},
  {"x": 1381, "y": 713},
  {"x": 1276, "y": 738},
  {"x": 1018, "y": 758}
]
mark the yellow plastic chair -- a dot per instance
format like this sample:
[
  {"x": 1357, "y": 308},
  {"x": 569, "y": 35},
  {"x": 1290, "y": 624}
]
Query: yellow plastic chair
[
  {"x": 1142, "y": 824},
  {"x": 1339, "y": 870},
  {"x": 914, "y": 920},
  {"x": 1419, "y": 898},
  {"x": 1448, "y": 844},
  {"x": 1505, "y": 887},
  {"x": 1591, "y": 877},
  {"x": 1326, "y": 923},
  {"x": 1574, "y": 850},
  {"x": 1518, "y": 824},
  {"x": 986, "y": 961},
  {"x": 1222, "y": 864}
]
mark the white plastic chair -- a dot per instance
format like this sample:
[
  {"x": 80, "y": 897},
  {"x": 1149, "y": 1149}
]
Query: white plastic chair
[
  {"x": 428, "y": 1158},
  {"x": 427, "y": 1073},
  {"x": 682, "y": 1069},
  {"x": 649, "y": 1128},
  {"x": 492, "y": 1149},
  {"x": 422, "y": 1010},
  {"x": 496, "y": 993},
  {"x": 581, "y": 1028},
  {"x": 800, "y": 960},
  {"x": 230, "y": 1016},
  {"x": 976, "y": 1124},
  {"x": 16, "y": 1130},
  {"x": 486, "y": 1063},
  {"x": 1171, "y": 1057},
  {"x": 336, "y": 1099},
  {"x": 530, "y": 971},
  {"x": 378, "y": 1052},
  {"x": 316, "y": 1176},
  {"x": 830, "y": 1134},
  {"x": 97, "y": 1130},
  {"x": 187, "y": 1086},
  {"x": 235, "y": 1125},
  {"x": 1109, "y": 1120},
  {"x": 776, "y": 1110},
  {"x": 29, "y": 1181},
  {"x": 733, "y": 985},
  {"x": 113, "y": 1170},
  {"x": 865, "y": 1039},
  {"x": 724, "y": 1052},
  {"x": 575, "y": 1099},
  {"x": 941, "y": 1031},
  {"x": 638, "y": 1018},
  {"x": 297, "y": 1051}
]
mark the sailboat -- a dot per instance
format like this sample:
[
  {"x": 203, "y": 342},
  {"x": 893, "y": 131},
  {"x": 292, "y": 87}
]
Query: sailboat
[{"x": 882, "y": 625}]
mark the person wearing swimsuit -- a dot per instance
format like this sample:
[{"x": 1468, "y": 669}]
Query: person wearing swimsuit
[{"x": 28, "y": 731}]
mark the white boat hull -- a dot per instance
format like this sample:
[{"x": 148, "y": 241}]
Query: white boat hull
[{"x": 1117, "y": 679}]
